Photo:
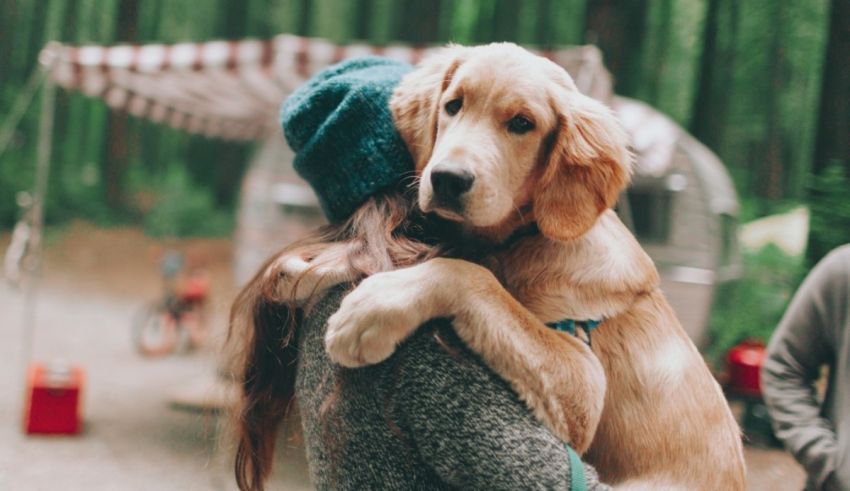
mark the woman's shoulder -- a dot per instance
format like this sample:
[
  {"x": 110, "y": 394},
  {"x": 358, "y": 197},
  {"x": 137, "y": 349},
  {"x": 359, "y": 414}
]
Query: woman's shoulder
[
  {"x": 434, "y": 356},
  {"x": 433, "y": 362}
]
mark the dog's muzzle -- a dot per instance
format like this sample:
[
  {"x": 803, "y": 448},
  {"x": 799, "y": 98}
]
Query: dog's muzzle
[{"x": 450, "y": 181}]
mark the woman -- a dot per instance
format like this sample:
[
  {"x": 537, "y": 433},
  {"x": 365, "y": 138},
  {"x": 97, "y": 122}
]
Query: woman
[{"x": 431, "y": 417}]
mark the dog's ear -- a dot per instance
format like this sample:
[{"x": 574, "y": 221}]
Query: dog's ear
[
  {"x": 588, "y": 166},
  {"x": 415, "y": 102}
]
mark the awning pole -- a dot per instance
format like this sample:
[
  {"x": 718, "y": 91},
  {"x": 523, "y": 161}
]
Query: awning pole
[{"x": 42, "y": 175}]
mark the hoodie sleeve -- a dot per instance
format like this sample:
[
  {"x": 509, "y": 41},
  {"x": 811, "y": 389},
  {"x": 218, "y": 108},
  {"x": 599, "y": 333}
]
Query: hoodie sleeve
[{"x": 803, "y": 342}]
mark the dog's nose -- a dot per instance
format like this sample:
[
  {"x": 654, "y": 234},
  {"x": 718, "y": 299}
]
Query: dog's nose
[{"x": 450, "y": 181}]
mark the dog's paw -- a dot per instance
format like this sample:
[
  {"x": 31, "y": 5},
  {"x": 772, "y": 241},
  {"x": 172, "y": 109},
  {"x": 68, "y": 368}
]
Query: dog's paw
[
  {"x": 373, "y": 319},
  {"x": 356, "y": 344}
]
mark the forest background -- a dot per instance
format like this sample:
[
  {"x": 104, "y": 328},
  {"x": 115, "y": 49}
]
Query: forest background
[{"x": 764, "y": 83}]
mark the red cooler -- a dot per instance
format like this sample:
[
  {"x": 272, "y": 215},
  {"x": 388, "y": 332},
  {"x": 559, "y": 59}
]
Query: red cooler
[
  {"x": 54, "y": 399},
  {"x": 744, "y": 362}
]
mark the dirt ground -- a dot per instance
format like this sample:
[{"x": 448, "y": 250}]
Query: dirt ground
[{"x": 134, "y": 439}]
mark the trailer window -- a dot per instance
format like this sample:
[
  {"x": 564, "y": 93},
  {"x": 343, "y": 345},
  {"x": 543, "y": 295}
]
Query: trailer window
[{"x": 651, "y": 209}]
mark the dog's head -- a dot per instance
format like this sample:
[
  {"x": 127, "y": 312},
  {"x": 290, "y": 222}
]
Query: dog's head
[{"x": 501, "y": 136}]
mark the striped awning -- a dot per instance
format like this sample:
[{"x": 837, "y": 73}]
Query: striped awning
[{"x": 233, "y": 89}]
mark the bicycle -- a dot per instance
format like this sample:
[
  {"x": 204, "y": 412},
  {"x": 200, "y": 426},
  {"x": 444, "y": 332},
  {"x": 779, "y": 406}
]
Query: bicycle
[{"x": 176, "y": 321}]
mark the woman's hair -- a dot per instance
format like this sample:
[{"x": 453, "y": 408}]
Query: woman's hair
[{"x": 385, "y": 233}]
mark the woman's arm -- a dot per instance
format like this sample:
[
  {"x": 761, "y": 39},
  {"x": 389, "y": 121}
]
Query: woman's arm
[
  {"x": 295, "y": 275},
  {"x": 467, "y": 423},
  {"x": 556, "y": 374}
]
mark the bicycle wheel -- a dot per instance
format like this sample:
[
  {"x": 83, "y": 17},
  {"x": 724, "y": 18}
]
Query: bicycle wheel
[{"x": 155, "y": 330}]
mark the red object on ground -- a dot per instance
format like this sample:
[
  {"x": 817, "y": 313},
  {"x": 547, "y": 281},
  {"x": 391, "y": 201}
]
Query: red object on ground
[
  {"x": 54, "y": 399},
  {"x": 744, "y": 362}
]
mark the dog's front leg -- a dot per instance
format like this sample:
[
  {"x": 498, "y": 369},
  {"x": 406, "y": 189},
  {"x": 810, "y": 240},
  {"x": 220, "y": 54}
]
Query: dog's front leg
[{"x": 557, "y": 375}]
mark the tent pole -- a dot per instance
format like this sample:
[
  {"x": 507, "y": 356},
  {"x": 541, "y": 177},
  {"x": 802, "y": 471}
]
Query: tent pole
[{"x": 42, "y": 174}]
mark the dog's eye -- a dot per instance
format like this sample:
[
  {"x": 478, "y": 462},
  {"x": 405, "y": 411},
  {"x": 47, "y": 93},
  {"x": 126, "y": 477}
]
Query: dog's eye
[
  {"x": 520, "y": 125},
  {"x": 453, "y": 106}
]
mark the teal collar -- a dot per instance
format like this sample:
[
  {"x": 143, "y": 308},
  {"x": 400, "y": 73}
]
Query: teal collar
[
  {"x": 570, "y": 326},
  {"x": 578, "y": 481}
]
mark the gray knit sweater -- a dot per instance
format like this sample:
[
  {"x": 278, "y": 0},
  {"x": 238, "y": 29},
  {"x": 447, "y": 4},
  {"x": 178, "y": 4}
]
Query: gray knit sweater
[{"x": 431, "y": 417}]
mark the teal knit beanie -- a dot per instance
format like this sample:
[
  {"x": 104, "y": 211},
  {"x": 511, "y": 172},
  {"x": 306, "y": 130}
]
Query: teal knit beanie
[{"x": 340, "y": 126}]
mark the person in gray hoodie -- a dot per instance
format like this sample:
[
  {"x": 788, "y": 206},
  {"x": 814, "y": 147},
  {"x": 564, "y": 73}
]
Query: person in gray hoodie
[
  {"x": 433, "y": 416},
  {"x": 815, "y": 331}
]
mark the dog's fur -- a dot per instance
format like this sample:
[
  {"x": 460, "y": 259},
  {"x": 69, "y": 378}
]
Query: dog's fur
[{"x": 664, "y": 423}]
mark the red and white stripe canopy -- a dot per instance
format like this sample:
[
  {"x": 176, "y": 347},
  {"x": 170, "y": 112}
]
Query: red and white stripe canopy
[{"x": 233, "y": 89}]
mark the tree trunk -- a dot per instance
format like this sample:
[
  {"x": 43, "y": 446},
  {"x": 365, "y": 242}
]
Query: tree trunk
[
  {"x": 419, "y": 23},
  {"x": 618, "y": 28},
  {"x": 117, "y": 149},
  {"x": 772, "y": 177},
  {"x": 707, "y": 120},
  {"x": 832, "y": 145}
]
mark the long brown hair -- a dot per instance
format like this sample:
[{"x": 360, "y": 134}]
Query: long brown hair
[{"x": 385, "y": 233}]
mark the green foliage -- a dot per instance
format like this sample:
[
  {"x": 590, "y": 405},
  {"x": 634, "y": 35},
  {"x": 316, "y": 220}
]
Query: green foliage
[
  {"x": 182, "y": 209},
  {"x": 752, "y": 306},
  {"x": 830, "y": 206},
  {"x": 761, "y": 90},
  {"x": 12, "y": 181}
]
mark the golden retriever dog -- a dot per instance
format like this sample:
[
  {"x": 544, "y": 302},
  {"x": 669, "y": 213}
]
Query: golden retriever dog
[{"x": 505, "y": 144}]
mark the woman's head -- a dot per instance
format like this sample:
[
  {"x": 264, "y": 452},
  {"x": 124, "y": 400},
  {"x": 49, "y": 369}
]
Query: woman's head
[
  {"x": 340, "y": 126},
  {"x": 347, "y": 148}
]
